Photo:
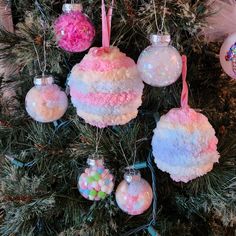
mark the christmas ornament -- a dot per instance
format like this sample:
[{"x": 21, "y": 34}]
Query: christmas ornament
[
  {"x": 134, "y": 194},
  {"x": 105, "y": 86},
  {"x": 45, "y": 102},
  {"x": 184, "y": 143},
  {"x": 228, "y": 55},
  {"x": 96, "y": 182},
  {"x": 221, "y": 21},
  {"x": 73, "y": 29},
  {"x": 160, "y": 64}
]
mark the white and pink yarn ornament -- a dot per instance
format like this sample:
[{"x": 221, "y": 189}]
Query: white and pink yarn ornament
[
  {"x": 46, "y": 102},
  {"x": 105, "y": 86},
  {"x": 184, "y": 142},
  {"x": 96, "y": 183},
  {"x": 134, "y": 194},
  {"x": 73, "y": 29},
  {"x": 159, "y": 64}
]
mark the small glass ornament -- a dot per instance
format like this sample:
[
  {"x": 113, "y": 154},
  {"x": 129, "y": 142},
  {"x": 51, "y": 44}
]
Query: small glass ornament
[
  {"x": 228, "y": 56},
  {"x": 160, "y": 64},
  {"x": 134, "y": 194},
  {"x": 73, "y": 29},
  {"x": 96, "y": 182},
  {"x": 45, "y": 102}
]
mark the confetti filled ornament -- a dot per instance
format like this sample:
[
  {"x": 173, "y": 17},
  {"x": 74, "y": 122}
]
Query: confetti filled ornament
[
  {"x": 184, "y": 142},
  {"x": 160, "y": 64},
  {"x": 73, "y": 29},
  {"x": 228, "y": 56},
  {"x": 134, "y": 194},
  {"x": 105, "y": 86},
  {"x": 96, "y": 182},
  {"x": 45, "y": 102}
]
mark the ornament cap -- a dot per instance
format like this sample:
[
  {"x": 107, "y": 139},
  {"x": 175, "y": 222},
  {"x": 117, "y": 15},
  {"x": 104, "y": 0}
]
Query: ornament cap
[
  {"x": 159, "y": 39},
  {"x": 68, "y": 7},
  {"x": 43, "y": 80},
  {"x": 131, "y": 175},
  {"x": 95, "y": 160}
]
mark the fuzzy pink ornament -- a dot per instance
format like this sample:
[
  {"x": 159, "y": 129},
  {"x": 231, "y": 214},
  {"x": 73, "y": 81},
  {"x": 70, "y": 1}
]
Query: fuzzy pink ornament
[
  {"x": 74, "y": 31},
  {"x": 221, "y": 21}
]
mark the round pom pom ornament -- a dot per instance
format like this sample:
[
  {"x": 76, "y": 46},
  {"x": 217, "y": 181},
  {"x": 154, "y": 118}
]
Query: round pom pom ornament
[
  {"x": 96, "y": 182},
  {"x": 160, "y": 64},
  {"x": 45, "y": 102},
  {"x": 184, "y": 142},
  {"x": 105, "y": 86},
  {"x": 73, "y": 29},
  {"x": 134, "y": 194},
  {"x": 228, "y": 56}
]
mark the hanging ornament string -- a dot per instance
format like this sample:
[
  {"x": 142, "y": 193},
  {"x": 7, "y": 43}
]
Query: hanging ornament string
[
  {"x": 184, "y": 95},
  {"x": 106, "y": 24},
  {"x": 43, "y": 23},
  {"x": 97, "y": 140},
  {"x": 160, "y": 30}
]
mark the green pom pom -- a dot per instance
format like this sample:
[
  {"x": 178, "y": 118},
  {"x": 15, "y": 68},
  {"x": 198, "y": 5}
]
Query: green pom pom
[
  {"x": 90, "y": 179},
  {"x": 93, "y": 193},
  {"x": 101, "y": 194},
  {"x": 96, "y": 177}
]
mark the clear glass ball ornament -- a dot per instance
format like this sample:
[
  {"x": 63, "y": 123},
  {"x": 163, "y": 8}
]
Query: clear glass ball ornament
[
  {"x": 160, "y": 64},
  {"x": 96, "y": 182},
  {"x": 134, "y": 194},
  {"x": 46, "y": 102}
]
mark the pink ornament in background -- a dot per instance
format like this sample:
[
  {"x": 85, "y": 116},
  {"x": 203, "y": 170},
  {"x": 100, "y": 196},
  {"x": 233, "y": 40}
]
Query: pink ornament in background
[
  {"x": 228, "y": 55},
  {"x": 160, "y": 64},
  {"x": 134, "y": 194},
  {"x": 73, "y": 29},
  {"x": 96, "y": 182},
  {"x": 45, "y": 102},
  {"x": 106, "y": 88}
]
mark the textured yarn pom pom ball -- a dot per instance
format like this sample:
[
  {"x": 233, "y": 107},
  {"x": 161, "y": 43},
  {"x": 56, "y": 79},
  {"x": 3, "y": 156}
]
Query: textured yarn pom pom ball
[
  {"x": 228, "y": 56},
  {"x": 184, "y": 144},
  {"x": 74, "y": 31},
  {"x": 106, "y": 88}
]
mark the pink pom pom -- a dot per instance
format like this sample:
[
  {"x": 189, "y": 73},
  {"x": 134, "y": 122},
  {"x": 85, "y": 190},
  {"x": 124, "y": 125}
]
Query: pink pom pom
[{"x": 74, "y": 31}]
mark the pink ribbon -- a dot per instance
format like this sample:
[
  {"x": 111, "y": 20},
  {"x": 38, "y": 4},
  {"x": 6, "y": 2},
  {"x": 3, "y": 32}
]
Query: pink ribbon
[
  {"x": 184, "y": 95},
  {"x": 106, "y": 24}
]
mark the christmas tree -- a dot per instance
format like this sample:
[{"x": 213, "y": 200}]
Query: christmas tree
[{"x": 41, "y": 162}]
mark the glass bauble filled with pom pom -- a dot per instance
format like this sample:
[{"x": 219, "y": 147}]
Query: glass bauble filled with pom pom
[
  {"x": 73, "y": 29},
  {"x": 106, "y": 88},
  {"x": 228, "y": 56},
  {"x": 160, "y": 64},
  {"x": 134, "y": 194},
  {"x": 46, "y": 102},
  {"x": 96, "y": 182}
]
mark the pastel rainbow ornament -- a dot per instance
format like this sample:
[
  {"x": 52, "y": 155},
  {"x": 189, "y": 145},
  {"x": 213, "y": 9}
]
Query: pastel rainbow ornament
[
  {"x": 134, "y": 194},
  {"x": 96, "y": 183},
  {"x": 184, "y": 142},
  {"x": 105, "y": 86}
]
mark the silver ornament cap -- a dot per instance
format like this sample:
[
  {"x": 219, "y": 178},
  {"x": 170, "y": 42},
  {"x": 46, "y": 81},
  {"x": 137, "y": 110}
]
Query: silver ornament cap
[
  {"x": 95, "y": 159},
  {"x": 132, "y": 175},
  {"x": 43, "y": 80},
  {"x": 160, "y": 39},
  {"x": 68, "y": 7}
]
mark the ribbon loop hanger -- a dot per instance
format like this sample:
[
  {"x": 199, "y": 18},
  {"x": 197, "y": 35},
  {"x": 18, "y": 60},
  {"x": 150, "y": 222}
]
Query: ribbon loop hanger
[
  {"x": 106, "y": 24},
  {"x": 184, "y": 95}
]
